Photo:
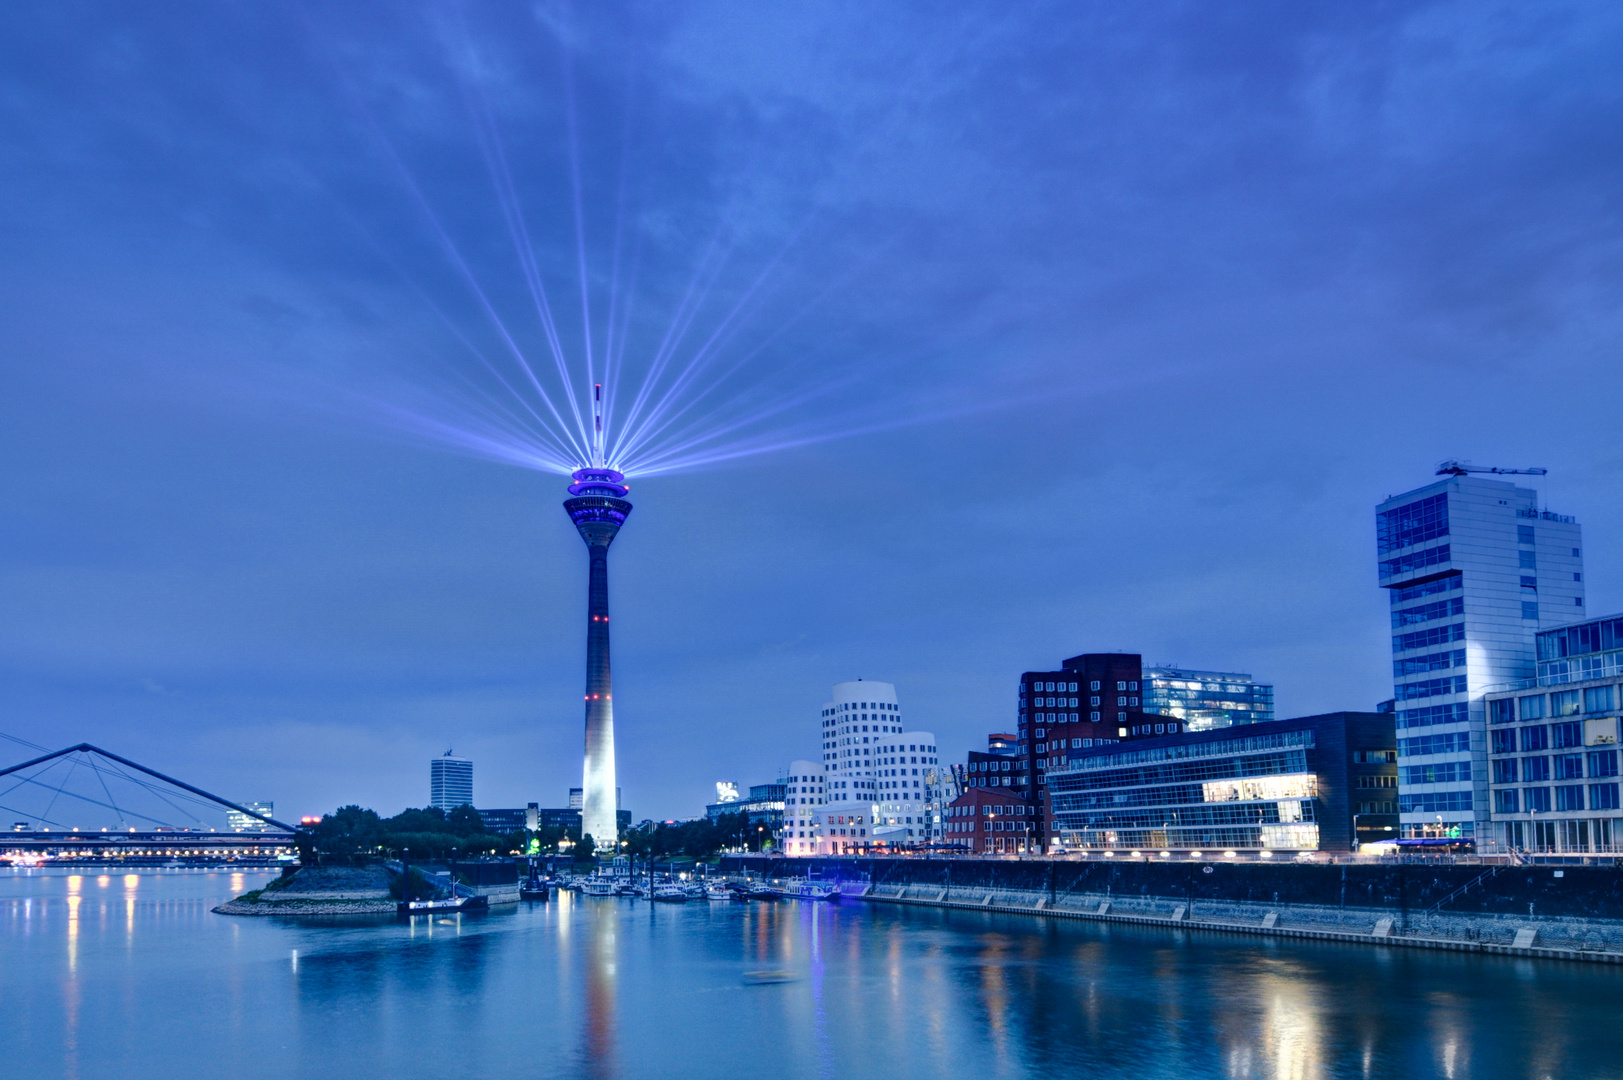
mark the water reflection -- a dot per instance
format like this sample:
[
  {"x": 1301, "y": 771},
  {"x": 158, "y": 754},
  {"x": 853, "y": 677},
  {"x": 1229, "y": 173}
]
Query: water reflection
[
  {"x": 609, "y": 989},
  {"x": 602, "y": 974}
]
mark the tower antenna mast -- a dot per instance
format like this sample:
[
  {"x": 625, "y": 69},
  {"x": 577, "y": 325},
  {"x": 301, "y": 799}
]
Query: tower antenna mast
[{"x": 597, "y": 419}]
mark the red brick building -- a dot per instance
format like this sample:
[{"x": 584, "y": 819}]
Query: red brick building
[
  {"x": 992, "y": 821},
  {"x": 1093, "y": 700}
]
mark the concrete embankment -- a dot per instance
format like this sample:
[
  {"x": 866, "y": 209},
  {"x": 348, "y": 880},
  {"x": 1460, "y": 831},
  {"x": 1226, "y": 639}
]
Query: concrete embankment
[{"x": 1572, "y": 912}]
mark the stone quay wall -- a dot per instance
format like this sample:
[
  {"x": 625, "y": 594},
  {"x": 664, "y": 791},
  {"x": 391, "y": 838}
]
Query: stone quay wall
[{"x": 1573, "y": 912}]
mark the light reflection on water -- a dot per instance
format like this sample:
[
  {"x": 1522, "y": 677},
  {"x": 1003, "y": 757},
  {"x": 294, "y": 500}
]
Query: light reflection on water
[{"x": 95, "y": 979}]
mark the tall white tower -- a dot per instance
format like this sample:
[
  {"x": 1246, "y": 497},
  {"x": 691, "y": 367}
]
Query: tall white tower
[
  {"x": 598, "y": 508},
  {"x": 1472, "y": 568}
]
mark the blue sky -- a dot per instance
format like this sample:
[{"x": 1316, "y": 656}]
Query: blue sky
[{"x": 1102, "y": 328}]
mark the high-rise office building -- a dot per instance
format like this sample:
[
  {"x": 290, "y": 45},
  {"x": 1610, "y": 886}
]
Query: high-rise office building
[
  {"x": 450, "y": 782},
  {"x": 1207, "y": 700},
  {"x": 1473, "y": 568}
]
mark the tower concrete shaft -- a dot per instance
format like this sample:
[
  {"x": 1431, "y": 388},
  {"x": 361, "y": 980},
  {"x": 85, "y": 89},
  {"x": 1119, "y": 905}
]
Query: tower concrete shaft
[{"x": 598, "y": 508}]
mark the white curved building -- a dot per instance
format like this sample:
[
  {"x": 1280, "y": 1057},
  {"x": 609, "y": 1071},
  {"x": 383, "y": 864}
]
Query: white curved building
[
  {"x": 905, "y": 794},
  {"x": 875, "y": 782},
  {"x": 802, "y": 801}
]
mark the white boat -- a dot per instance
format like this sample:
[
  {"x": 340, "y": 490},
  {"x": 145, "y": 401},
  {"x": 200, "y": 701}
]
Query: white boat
[
  {"x": 597, "y": 888},
  {"x": 671, "y": 894},
  {"x": 812, "y": 890},
  {"x": 718, "y": 892},
  {"x": 434, "y": 907}
]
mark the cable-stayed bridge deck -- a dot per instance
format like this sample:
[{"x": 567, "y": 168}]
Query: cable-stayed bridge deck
[{"x": 166, "y": 847}]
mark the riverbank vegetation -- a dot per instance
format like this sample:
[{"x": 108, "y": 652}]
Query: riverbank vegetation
[
  {"x": 426, "y": 834},
  {"x": 699, "y": 839},
  {"x": 430, "y": 834}
]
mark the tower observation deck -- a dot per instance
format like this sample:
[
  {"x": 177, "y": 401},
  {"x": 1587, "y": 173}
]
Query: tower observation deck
[{"x": 598, "y": 508}]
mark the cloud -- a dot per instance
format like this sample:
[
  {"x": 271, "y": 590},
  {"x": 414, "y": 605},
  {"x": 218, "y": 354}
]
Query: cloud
[{"x": 1179, "y": 294}]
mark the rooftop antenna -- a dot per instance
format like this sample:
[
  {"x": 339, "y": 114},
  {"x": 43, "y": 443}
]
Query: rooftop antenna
[
  {"x": 597, "y": 416},
  {"x": 1460, "y": 468}
]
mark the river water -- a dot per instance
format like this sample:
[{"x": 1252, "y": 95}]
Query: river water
[{"x": 131, "y": 976}]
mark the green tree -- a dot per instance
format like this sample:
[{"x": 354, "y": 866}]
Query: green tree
[
  {"x": 465, "y": 821},
  {"x": 586, "y": 850}
]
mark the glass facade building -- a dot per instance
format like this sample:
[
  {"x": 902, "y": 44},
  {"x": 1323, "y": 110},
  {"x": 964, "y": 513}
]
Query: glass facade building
[
  {"x": 1472, "y": 570},
  {"x": 1207, "y": 700},
  {"x": 1553, "y": 745},
  {"x": 1289, "y": 785},
  {"x": 450, "y": 782},
  {"x": 237, "y": 821}
]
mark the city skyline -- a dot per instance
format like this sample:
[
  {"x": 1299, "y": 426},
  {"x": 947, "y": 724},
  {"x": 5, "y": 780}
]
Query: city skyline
[{"x": 1222, "y": 282}]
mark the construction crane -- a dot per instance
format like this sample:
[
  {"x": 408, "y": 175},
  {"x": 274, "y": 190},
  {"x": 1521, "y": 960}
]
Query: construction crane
[{"x": 1460, "y": 468}]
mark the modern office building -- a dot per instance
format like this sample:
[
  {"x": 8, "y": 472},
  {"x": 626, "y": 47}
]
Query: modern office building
[
  {"x": 880, "y": 785},
  {"x": 535, "y": 816},
  {"x": 987, "y": 821},
  {"x": 1094, "y": 700},
  {"x": 1308, "y": 784},
  {"x": 1207, "y": 700},
  {"x": 1553, "y": 746},
  {"x": 504, "y": 821},
  {"x": 852, "y": 723},
  {"x": 1473, "y": 569},
  {"x": 765, "y": 806},
  {"x": 803, "y": 797},
  {"x": 450, "y": 782},
  {"x": 906, "y": 789},
  {"x": 237, "y": 821}
]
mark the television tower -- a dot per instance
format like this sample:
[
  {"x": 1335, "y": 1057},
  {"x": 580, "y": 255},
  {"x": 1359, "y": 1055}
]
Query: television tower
[{"x": 598, "y": 508}]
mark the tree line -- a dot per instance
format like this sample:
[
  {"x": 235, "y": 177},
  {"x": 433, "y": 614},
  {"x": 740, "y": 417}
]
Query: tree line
[
  {"x": 700, "y": 838},
  {"x": 430, "y": 833}
]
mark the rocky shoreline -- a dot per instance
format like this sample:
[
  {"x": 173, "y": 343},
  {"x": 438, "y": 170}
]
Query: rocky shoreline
[
  {"x": 318, "y": 890},
  {"x": 304, "y": 906}
]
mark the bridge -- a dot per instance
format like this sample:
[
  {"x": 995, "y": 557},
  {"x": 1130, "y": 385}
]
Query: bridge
[{"x": 133, "y": 836}]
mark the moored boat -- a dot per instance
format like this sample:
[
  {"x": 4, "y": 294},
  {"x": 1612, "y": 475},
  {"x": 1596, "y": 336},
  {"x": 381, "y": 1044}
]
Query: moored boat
[
  {"x": 812, "y": 890},
  {"x": 671, "y": 894},
  {"x": 534, "y": 886},
  {"x": 449, "y": 904}
]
